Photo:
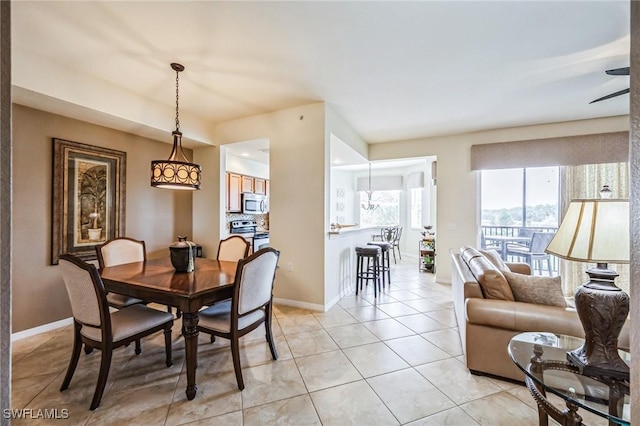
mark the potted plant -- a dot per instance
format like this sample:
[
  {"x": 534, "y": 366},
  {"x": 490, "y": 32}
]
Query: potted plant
[
  {"x": 427, "y": 259},
  {"x": 93, "y": 191}
]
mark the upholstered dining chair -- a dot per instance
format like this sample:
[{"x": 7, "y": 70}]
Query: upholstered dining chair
[
  {"x": 96, "y": 327},
  {"x": 233, "y": 248},
  {"x": 250, "y": 306},
  {"x": 118, "y": 251}
]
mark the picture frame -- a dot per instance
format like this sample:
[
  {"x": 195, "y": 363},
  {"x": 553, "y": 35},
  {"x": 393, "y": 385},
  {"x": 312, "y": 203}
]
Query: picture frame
[{"x": 88, "y": 206}]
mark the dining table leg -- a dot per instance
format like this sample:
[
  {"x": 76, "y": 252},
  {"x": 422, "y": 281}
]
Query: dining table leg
[{"x": 190, "y": 331}]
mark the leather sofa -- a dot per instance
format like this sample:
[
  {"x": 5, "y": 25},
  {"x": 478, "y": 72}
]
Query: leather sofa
[{"x": 486, "y": 325}]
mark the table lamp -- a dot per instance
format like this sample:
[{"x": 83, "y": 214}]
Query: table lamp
[{"x": 597, "y": 231}]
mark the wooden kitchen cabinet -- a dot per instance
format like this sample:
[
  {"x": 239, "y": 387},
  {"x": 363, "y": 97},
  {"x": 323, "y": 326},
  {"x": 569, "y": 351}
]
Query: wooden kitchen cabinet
[
  {"x": 234, "y": 189},
  {"x": 259, "y": 186},
  {"x": 236, "y": 184},
  {"x": 247, "y": 184}
]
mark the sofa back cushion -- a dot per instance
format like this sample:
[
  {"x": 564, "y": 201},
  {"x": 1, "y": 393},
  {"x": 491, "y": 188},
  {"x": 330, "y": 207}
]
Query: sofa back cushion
[
  {"x": 492, "y": 282},
  {"x": 495, "y": 258}
]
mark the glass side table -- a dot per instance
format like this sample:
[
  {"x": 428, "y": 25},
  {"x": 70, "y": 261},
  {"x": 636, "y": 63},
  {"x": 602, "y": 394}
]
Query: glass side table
[{"x": 543, "y": 359}]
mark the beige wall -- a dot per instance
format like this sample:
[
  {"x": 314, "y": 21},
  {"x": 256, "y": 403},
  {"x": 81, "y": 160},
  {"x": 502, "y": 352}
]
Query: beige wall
[
  {"x": 297, "y": 163},
  {"x": 154, "y": 215},
  {"x": 208, "y": 203},
  {"x": 457, "y": 195}
]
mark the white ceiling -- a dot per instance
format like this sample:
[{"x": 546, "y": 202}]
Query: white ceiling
[{"x": 392, "y": 70}]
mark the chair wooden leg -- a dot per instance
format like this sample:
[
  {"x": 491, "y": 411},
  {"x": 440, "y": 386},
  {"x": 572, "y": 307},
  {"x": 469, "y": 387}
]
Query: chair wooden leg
[
  {"x": 235, "y": 354},
  {"x": 267, "y": 326},
  {"x": 167, "y": 345},
  {"x": 138, "y": 347},
  {"x": 212, "y": 339},
  {"x": 75, "y": 355},
  {"x": 394, "y": 255},
  {"x": 105, "y": 364}
]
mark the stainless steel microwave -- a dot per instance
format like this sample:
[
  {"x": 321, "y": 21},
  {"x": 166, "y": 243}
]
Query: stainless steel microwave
[{"x": 254, "y": 203}]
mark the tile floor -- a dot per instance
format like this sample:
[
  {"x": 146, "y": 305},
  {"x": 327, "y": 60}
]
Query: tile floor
[{"x": 394, "y": 360}]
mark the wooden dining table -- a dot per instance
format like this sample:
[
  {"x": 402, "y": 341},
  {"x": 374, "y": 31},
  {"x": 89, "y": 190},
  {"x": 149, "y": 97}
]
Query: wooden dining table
[{"x": 156, "y": 280}]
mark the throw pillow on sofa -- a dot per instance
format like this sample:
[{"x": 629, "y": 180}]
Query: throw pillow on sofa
[
  {"x": 536, "y": 289},
  {"x": 495, "y": 258}
]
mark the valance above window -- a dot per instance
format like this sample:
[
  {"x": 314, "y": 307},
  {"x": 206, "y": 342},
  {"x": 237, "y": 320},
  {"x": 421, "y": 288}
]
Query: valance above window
[
  {"x": 380, "y": 183},
  {"x": 561, "y": 151}
]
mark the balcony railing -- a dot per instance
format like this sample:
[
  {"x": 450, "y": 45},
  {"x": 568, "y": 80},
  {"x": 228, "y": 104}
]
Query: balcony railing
[
  {"x": 519, "y": 234},
  {"x": 515, "y": 231}
]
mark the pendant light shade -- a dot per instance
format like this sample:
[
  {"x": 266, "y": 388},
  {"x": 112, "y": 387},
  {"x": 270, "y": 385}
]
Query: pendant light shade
[{"x": 177, "y": 172}]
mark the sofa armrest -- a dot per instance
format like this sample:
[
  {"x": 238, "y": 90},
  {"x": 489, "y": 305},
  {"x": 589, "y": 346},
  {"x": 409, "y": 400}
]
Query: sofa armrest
[
  {"x": 519, "y": 267},
  {"x": 521, "y": 317}
]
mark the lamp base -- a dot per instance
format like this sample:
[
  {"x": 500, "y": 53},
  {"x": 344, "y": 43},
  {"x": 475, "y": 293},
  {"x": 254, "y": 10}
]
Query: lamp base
[
  {"x": 603, "y": 309},
  {"x": 576, "y": 358}
]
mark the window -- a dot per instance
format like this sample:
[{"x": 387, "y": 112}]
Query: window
[
  {"x": 520, "y": 197},
  {"x": 388, "y": 211},
  {"x": 415, "y": 208}
]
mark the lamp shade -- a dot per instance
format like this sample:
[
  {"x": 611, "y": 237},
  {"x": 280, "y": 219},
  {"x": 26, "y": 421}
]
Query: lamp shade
[{"x": 593, "y": 231}]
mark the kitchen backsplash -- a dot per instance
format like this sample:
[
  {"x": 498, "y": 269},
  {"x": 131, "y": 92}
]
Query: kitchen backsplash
[{"x": 261, "y": 219}]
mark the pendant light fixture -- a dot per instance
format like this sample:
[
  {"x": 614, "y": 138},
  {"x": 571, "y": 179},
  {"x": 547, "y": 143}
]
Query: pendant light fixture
[
  {"x": 369, "y": 205},
  {"x": 176, "y": 172}
]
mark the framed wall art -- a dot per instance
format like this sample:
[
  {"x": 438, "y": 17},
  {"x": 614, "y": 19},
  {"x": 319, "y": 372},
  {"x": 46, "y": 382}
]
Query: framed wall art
[{"x": 88, "y": 198}]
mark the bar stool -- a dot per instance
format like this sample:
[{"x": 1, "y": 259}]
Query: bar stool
[
  {"x": 368, "y": 272},
  {"x": 385, "y": 260}
]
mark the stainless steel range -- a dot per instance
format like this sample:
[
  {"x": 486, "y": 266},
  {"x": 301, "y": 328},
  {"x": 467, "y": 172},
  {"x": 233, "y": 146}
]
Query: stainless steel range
[{"x": 247, "y": 229}]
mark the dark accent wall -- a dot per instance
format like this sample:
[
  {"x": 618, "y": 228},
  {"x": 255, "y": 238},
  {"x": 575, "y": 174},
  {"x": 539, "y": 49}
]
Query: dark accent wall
[
  {"x": 5, "y": 208},
  {"x": 156, "y": 216}
]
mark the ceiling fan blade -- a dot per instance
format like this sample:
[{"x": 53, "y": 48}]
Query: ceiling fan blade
[
  {"x": 613, "y": 95},
  {"x": 618, "y": 71}
]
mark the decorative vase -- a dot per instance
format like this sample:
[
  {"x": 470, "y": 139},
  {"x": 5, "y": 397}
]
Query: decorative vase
[{"x": 183, "y": 255}]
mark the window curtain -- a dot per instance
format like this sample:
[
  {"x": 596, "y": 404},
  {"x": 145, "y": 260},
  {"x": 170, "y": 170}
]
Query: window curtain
[{"x": 585, "y": 181}]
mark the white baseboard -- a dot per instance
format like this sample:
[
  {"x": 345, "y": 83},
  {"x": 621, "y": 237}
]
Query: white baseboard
[
  {"x": 334, "y": 301},
  {"x": 298, "y": 304},
  {"x": 41, "y": 329},
  {"x": 310, "y": 306}
]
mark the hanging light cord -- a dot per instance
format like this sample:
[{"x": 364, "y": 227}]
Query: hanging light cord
[
  {"x": 177, "y": 134},
  {"x": 177, "y": 101},
  {"x": 369, "y": 205}
]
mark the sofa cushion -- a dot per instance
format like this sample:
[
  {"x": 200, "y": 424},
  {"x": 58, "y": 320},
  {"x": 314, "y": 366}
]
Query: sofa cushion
[
  {"x": 467, "y": 253},
  {"x": 492, "y": 282},
  {"x": 495, "y": 258},
  {"x": 536, "y": 289}
]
